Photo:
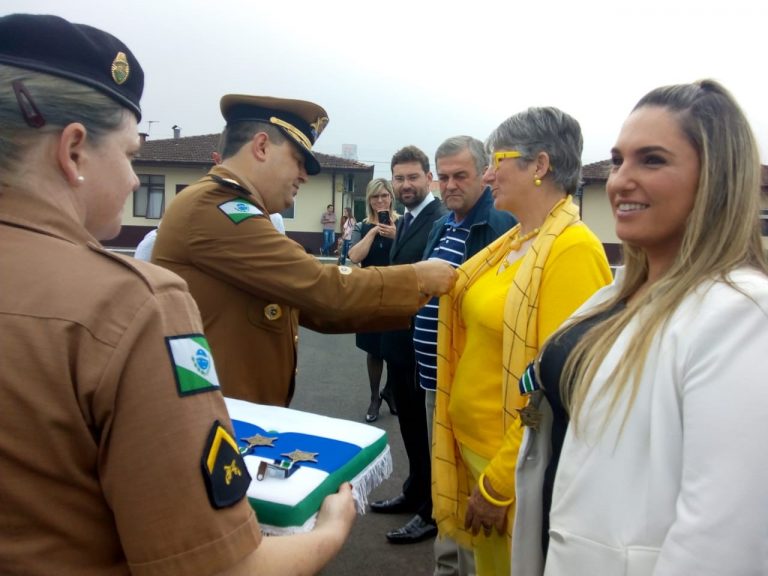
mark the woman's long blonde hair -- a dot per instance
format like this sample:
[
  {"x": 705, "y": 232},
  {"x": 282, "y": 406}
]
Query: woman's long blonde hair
[{"x": 721, "y": 234}]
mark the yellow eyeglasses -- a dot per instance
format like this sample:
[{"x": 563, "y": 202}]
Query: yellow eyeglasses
[{"x": 499, "y": 156}]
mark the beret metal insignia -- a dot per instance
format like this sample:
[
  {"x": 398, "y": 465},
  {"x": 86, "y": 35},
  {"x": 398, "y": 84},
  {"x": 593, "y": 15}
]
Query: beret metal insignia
[
  {"x": 120, "y": 68},
  {"x": 273, "y": 311}
]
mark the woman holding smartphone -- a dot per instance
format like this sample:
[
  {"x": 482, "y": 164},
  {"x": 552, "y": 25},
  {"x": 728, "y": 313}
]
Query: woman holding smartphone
[{"x": 371, "y": 241}]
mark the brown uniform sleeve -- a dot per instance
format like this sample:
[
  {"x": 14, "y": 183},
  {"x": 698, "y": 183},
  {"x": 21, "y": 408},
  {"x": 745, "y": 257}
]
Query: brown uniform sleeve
[
  {"x": 151, "y": 450},
  {"x": 255, "y": 257}
]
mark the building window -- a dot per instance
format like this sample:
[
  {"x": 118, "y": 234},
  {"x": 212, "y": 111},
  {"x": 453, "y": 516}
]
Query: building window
[
  {"x": 180, "y": 187},
  {"x": 149, "y": 199},
  {"x": 764, "y": 221},
  {"x": 349, "y": 183}
]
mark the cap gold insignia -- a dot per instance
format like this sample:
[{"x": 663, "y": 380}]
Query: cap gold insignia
[
  {"x": 301, "y": 456},
  {"x": 120, "y": 68},
  {"x": 318, "y": 126},
  {"x": 293, "y": 131},
  {"x": 273, "y": 311}
]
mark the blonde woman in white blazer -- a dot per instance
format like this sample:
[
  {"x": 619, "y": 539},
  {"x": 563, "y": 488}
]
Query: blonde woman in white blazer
[{"x": 663, "y": 469}]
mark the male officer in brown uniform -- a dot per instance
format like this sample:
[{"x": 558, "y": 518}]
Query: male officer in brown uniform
[
  {"x": 254, "y": 285},
  {"x": 115, "y": 441}
]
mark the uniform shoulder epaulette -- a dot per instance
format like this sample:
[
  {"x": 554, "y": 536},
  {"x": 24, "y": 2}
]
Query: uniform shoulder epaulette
[
  {"x": 230, "y": 184},
  {"x": 155, "y": 278}
]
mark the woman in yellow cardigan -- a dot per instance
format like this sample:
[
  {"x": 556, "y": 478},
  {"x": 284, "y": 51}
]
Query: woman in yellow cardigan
[{"x": 508, "y": 299}]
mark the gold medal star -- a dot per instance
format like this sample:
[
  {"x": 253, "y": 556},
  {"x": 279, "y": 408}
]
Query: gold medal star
[
  {"x": 259, "y": 440},
  {"x": 301, "y": 456},
  {"x": 530, "y": 417}
]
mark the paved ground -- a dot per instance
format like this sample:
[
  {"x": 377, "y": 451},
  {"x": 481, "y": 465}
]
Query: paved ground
[{"x": 333, "y": 381}]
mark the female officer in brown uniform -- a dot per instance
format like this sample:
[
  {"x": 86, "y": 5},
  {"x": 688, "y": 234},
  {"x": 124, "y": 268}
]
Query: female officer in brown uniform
[{"x": 115, "y": 450}]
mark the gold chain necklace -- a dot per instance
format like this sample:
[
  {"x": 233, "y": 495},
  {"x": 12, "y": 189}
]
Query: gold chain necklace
[{"x": 514, "y": 246}]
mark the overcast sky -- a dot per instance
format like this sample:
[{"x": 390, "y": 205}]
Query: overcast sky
[{"x": 408, "y": 72}]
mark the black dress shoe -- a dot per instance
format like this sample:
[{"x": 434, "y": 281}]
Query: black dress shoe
[
  {"x": 415, "y": 531},
  {"x": 395, "y": 505}
]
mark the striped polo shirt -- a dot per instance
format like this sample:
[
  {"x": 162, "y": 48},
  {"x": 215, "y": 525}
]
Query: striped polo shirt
[{"x": 450, "y": 248}]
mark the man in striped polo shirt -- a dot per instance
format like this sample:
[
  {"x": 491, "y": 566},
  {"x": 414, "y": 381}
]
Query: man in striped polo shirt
[{"x": 471, "y": 224}]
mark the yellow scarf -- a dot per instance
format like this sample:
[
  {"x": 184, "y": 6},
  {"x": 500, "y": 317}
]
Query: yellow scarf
[{"x": 450, "y": 478}]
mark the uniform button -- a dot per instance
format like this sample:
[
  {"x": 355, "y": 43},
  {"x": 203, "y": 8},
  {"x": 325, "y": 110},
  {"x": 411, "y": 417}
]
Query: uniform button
[
  {"x": 273, "y": 311},
  {"x": 295, "y": 339}
]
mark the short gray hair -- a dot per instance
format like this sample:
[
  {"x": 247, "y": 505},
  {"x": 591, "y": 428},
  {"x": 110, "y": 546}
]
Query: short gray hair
[
  {"x": 60, "y": 102},
  {"x": 457, "y": 144},
  {"x": 547, "y": 130}
]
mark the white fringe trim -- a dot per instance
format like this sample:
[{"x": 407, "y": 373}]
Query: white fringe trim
[
  {"x": 362, "y": 485},
  {"x": 370, "y": 478}
]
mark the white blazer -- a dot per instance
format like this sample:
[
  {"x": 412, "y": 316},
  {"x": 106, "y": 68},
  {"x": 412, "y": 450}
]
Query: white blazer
[{"x": 683, "y": 490}]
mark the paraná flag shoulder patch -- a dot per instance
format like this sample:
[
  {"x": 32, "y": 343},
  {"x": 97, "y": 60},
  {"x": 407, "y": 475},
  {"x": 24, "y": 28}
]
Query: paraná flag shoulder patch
[
  {"x": 239, "y": 210},
  {"x": 192, "y": 364},
  {"x": 224, "y": 471}
]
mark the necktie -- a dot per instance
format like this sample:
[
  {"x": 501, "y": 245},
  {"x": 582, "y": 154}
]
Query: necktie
[{"x": 407, "y": 219}]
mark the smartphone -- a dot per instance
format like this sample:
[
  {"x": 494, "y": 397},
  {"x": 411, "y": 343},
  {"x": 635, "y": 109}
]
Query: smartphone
[{"x": 383, "y": 216}]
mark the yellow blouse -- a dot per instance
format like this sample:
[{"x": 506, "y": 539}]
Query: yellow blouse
[
  {"x": 477, "y": 382},
  {"x": 564, "y": 265},
  {"x": 575, "y": 269}
]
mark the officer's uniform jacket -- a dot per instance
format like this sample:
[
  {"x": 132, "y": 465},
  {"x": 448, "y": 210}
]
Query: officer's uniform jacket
[{"x": 253, "y": 285}]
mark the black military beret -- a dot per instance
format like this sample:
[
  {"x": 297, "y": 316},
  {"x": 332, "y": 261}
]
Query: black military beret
[
  {"x": 301, "y": 121},
  {"x": 78, "y": 52}
]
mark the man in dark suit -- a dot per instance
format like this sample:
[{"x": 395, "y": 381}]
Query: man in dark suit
[{"x": 411, "y": 178}]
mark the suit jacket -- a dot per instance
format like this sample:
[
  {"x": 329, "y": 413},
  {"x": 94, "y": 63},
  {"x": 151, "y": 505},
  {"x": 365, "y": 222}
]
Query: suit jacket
[
  {"x": 397, "y": 346},
  {"x": 253, "y": 285}
]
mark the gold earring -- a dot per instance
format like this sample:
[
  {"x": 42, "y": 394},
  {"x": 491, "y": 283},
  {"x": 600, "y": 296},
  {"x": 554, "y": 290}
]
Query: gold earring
[{"x": 536, "y": 180}]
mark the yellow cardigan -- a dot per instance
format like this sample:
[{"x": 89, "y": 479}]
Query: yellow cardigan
[{"x": 565, "y": 265}]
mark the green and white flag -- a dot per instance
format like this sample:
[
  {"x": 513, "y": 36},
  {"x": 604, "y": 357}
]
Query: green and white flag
[
  {"x": 239, "y": 210},
  {"x": 193, "y": 364}
]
